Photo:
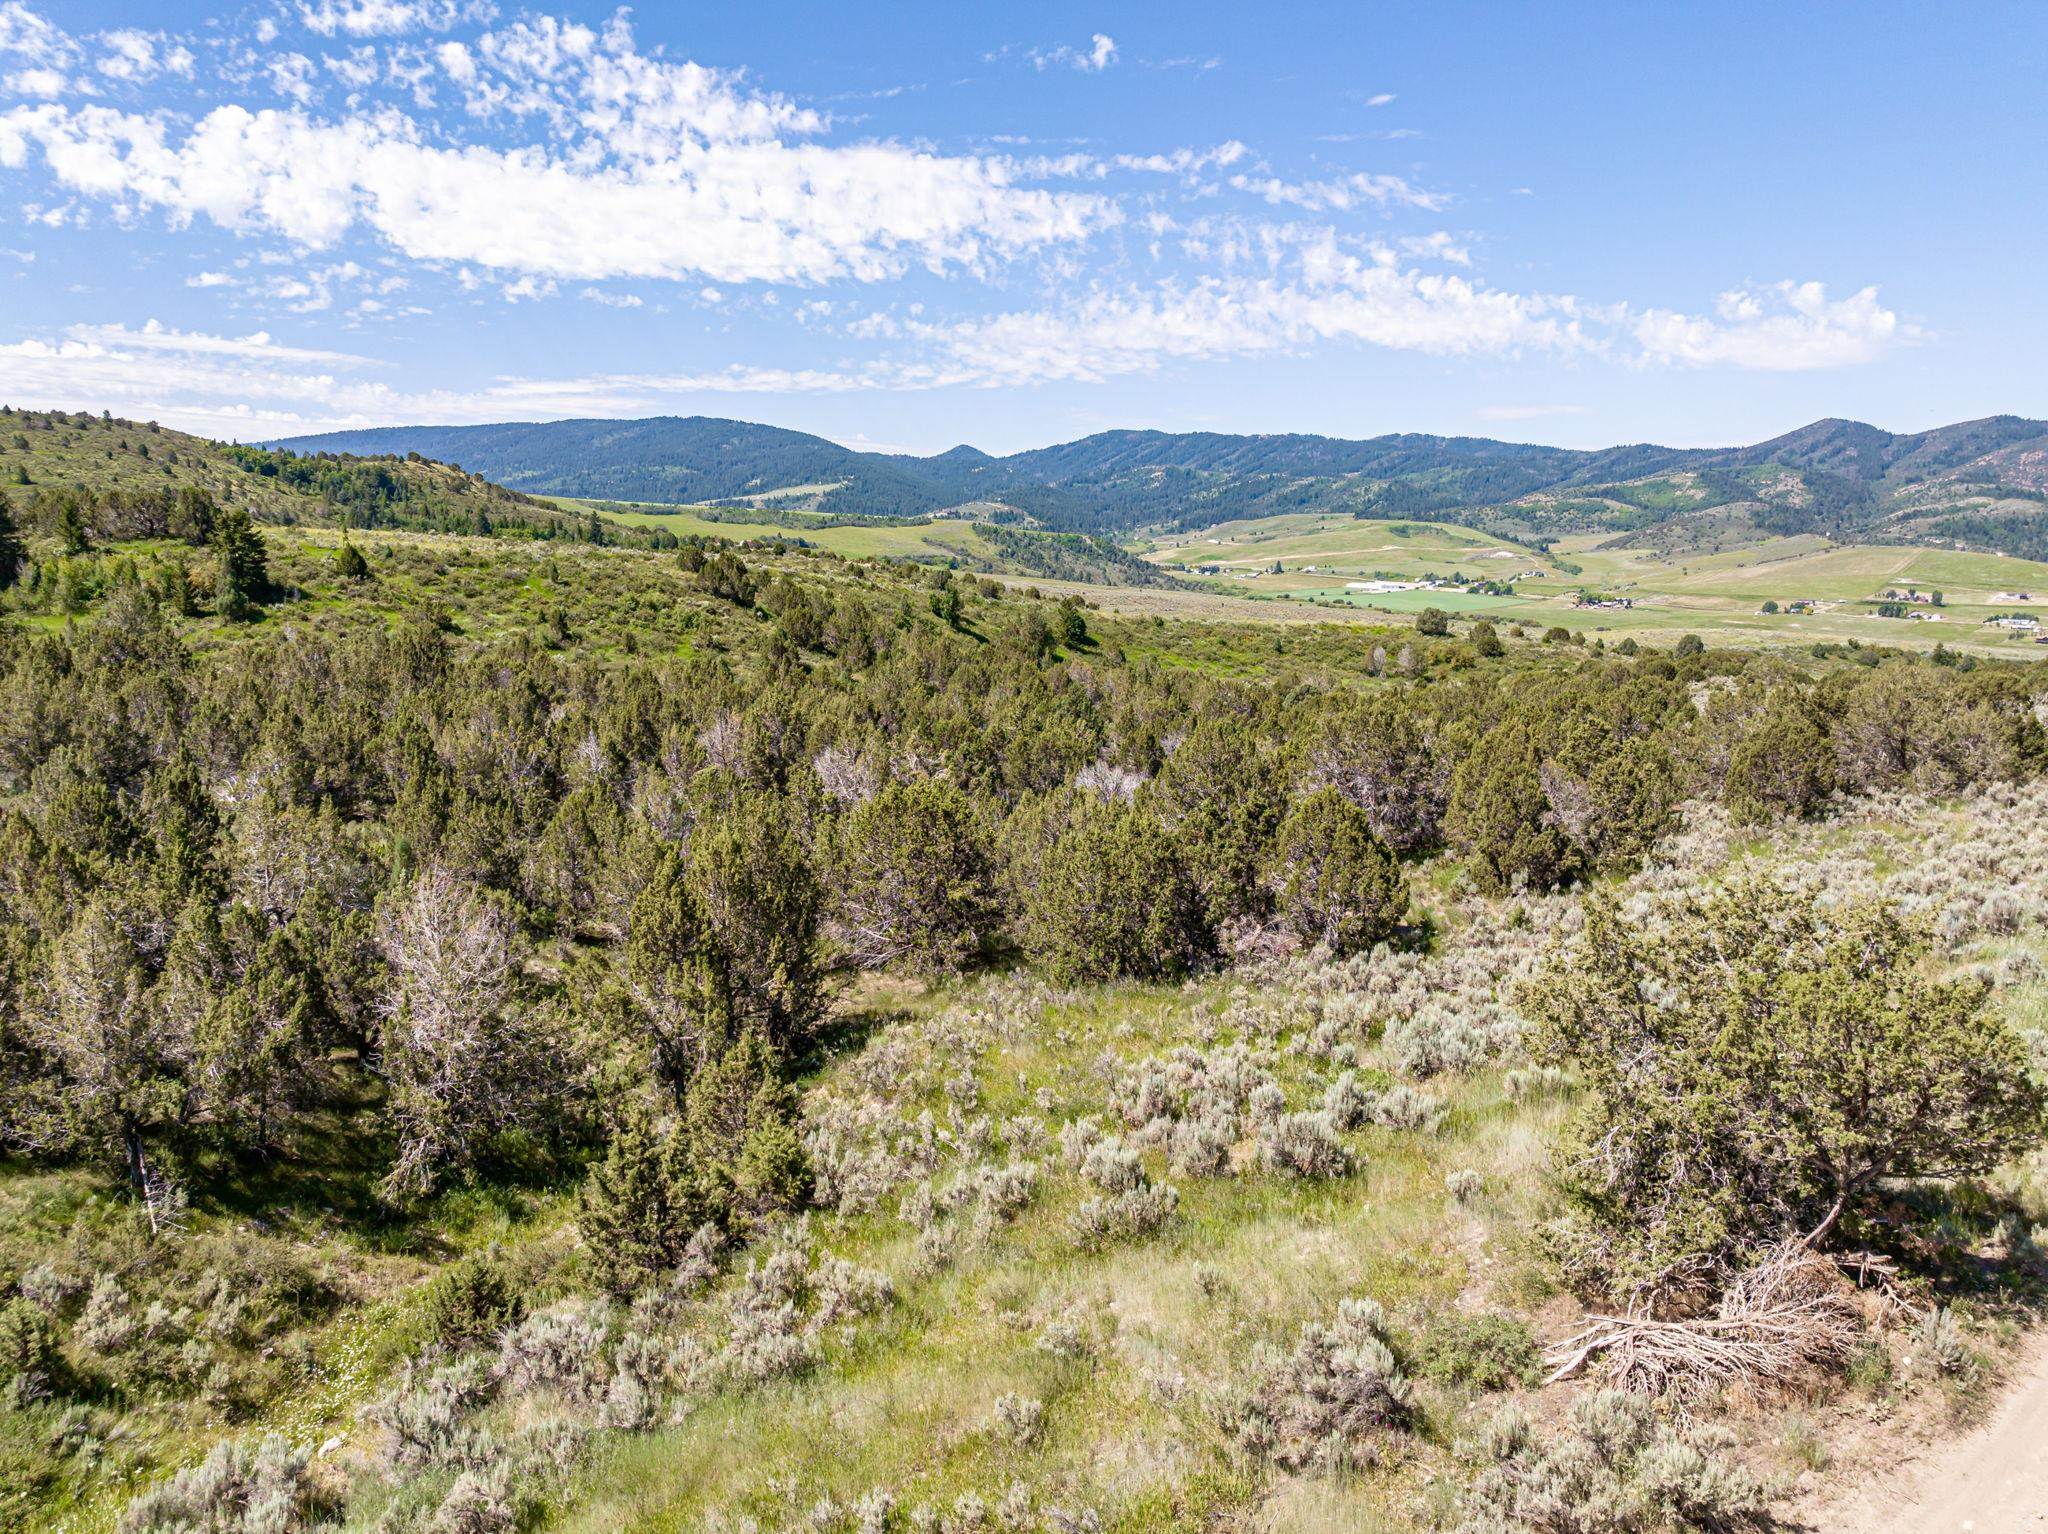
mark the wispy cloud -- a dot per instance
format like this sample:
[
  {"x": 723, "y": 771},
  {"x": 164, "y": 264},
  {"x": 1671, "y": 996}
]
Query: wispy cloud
[
  {"x": 387, "y": 18},
  {"x": 1096, "y": 57},
  {"x": 1342, "y": 193},
  {"x": 667, "y": 171}
]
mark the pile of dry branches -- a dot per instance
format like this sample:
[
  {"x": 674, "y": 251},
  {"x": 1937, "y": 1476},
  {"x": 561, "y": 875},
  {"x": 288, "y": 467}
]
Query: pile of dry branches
[{"x": 1790, "y": 1312}]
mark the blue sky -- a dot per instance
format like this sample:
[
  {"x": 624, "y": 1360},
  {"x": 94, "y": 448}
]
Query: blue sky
[{"x": 914, "y": 225}]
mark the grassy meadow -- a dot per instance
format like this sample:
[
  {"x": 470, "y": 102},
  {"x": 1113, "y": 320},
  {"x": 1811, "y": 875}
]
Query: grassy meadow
[{"x": 1714, "y": 594}]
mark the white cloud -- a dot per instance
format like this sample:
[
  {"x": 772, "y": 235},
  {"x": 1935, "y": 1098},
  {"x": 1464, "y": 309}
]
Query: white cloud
[
  {"x": 611, "y": 300},
  {"x": 1185, "y": 162},
  {"x": 1341, "y": 194},
  {"x": 130, "y": 55},
  {"x": 657, "y": 170},
  {"x": 385, "y": 18},
  {"x": 291, "y": 74},
  {"x": 1436, "y": 246},
  {"x": 208, "y": 280},
  {"x": 25, "y": 35},
  {"x": 255, "y": 386},
  {"x": 1096, "y": 57},
  {"x": 357, "y": 68},
  {"x": 47, "y": 84},
  {"x": 1329, "y": 297},
  {"x": 1786, "y": 327},
  {"x": 1384, "y": 98}
]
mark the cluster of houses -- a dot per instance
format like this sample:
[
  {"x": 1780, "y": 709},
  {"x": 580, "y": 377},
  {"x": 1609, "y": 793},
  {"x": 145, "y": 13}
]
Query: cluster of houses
[{"x": 1605, "y": 603}]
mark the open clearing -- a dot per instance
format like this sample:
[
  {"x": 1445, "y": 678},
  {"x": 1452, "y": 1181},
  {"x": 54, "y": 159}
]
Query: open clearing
[
  {"x": 1993, "y": 1481},
  {"x": 936, "y": 539},
  {"x": 1719, "y": 592}
]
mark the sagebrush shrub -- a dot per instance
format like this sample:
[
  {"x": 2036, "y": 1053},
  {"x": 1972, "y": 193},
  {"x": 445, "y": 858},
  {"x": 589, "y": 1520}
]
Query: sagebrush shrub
[
  {"x": 1303, "y": 1145},
  {"x": 1331, "y": 1403},
  {"x": 1615, "y": 1470},
  {"x": 262, "y": 1486}
]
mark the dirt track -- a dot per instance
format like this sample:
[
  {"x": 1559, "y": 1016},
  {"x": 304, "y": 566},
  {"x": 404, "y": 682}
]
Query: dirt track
[{"x": 1992, "y": 1481}]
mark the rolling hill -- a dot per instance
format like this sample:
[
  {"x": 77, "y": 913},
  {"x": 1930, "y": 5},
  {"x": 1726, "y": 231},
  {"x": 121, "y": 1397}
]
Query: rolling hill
[
  {"x": 1978, "y": 483},
  {"x": 122, "y": 469}
]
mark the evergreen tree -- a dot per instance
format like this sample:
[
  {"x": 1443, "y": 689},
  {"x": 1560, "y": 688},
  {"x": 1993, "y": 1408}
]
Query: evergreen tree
[
  {"x": 741, "y": 1117},
  {"x": 1340, "y": 886},
  {"x": 761, "y": 906},
  {"x": 641, "y": 1204},
  {"x": 1760, "y": 1067},
  {"x": 677, "y": 982},
  {"x": 193, "y": 515},
  {"x": 72, "y": 532},
  {"x": 1114, "y": 899},
  {"x": 1784, "y": 766},
  {"x": 1222, "y": 796},
  {"x": 350, "y": 563},
  {"x": 244, "y": 571},
  {"x": 915, "y": 877},
  {"x": 12, "y": 554},
  {"x": 1498, "y": 817}
]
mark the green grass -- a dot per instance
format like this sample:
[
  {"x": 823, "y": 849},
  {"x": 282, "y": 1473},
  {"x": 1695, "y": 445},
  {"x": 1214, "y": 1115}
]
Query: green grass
[
  {"x": 936, "y": 539},
  {"x": 1345, "y": 545},
  {"x": 1717, "y": 594}
]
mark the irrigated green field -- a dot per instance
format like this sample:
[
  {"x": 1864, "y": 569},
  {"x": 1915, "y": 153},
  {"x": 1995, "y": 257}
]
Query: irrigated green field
[
  {"x": 1345, "y": 545},
  {"x": 1321, "y": 557}
]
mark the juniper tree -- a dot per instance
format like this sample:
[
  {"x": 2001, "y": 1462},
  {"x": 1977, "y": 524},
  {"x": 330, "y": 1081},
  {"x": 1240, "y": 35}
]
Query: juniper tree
[
  {"x": 461, "y": 1064},
  {"x": 1782, "y": 767},
  {"x": 123, "y": 1064},
  {"x": 761, "y": 906},
  {"x": 1221, "y": 795},
  {"x": 1115, "y": 899},
  {"x": 1499, "y": 817},
  {"x": 741, "y": 1119},
  {"x": 12, "y": 554},
  {"x": 641, "y": 1203},
  {"x": 1756, "y": 1069},
  {"x": 914, "y": 877},
  {"x": 1380, "y": 753},
  {"x": 679, "y": 986},
  {"x": 1340, "y": 887}
]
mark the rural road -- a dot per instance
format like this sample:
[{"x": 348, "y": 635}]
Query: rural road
[{"x": 1992, "y": 1481}]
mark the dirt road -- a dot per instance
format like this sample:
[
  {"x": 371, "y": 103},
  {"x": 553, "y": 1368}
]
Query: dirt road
[{"x": 1992, "y": 1481}]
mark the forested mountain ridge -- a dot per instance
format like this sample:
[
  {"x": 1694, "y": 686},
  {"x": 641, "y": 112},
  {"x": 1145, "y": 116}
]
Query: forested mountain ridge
[
  {"x": 126, "y": 476},
  {"x": 1980, "y": 482}
]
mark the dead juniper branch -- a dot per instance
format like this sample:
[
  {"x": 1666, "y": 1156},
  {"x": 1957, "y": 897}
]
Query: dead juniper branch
[{"x": 1789, "y": 1312}]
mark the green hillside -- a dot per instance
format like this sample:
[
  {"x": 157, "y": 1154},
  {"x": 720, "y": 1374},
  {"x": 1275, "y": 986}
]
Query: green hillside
[
  {"x": 518, "y": 1034},
  {"x": 1979, "y": 483},
  {"x": 128, "y": 471}
]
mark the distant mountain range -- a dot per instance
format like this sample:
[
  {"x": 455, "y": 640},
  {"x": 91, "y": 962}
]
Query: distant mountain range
[{"x": 1979, "y": 483}]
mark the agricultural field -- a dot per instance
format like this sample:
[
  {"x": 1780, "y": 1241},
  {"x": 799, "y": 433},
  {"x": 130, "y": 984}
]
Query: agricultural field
[{"x": 1322, "y": 558}]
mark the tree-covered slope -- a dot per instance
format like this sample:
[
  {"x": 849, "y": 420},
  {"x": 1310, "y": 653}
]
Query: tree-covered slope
[
  {"x": 126, "y": 474},
  {"x": 1978, "y": 482}
]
